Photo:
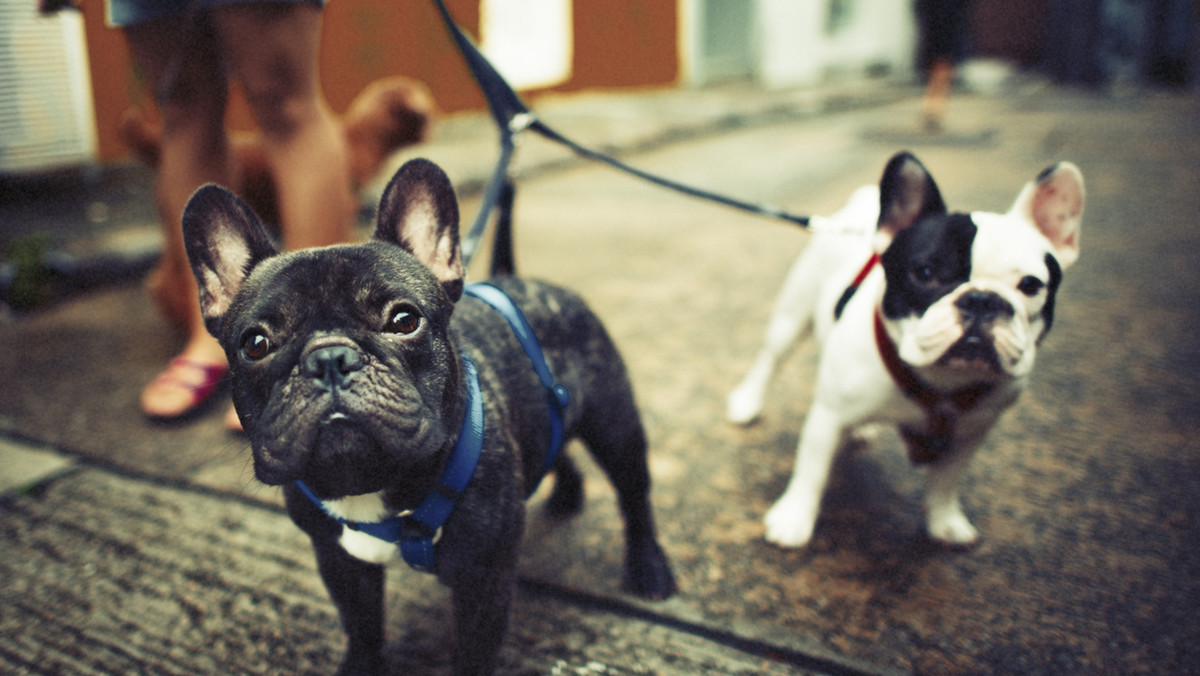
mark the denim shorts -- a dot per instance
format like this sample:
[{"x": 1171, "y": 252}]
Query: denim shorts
[{"x": 122, "y": 13}]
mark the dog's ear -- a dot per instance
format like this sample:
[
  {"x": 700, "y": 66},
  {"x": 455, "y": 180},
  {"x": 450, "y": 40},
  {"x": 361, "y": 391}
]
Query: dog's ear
[
  {"x": 1053, "y": 202},
  {"x": 906, "y": 193},
  {"x": 419, "y": 212},
  {"x": 224, "y": 241}
]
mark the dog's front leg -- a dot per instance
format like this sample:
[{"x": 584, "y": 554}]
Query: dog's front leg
[
  {"x": 945, "y": 521},
  {"x": 356, "y": 588},
  {"x": 790, "y": 522},
  {"x": 482, "y": 601}
]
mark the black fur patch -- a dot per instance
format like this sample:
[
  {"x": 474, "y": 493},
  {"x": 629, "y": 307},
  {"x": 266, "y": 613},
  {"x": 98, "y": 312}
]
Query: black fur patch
[{"x": 927, "y": 261}]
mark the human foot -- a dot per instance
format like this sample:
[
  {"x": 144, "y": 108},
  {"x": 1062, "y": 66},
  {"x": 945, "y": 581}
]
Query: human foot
[{"x": 186, "y": 384}]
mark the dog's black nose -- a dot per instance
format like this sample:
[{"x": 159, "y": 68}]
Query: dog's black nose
[
  {"x": 332, "y": 364},
  {"x": 982, "y": 306}
]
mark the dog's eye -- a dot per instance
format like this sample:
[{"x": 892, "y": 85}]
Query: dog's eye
[
  {"x": 405, "y": 321},
  {"x": 923, "y": 274},
  {"x": 256, "y": 346},
  {"x": 1030, "y": 286}
]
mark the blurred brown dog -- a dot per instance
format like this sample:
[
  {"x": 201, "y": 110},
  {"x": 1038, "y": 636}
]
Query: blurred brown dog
[{"x": 387, "y": 115}]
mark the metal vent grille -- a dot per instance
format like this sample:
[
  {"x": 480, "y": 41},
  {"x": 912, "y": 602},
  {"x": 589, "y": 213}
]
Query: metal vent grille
[{"x": 46, "y": 113}]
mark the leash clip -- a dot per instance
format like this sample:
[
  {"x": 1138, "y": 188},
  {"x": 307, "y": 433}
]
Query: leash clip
[
  {"x": 561, "y": 396},
  {"x": 520, "y": 122}
]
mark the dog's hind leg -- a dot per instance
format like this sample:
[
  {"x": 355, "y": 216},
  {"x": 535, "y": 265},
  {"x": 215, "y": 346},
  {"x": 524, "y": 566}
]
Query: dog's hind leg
[
  {"x": 613, "y": 433},
  {"x": 791, "y": 320},
  {"x": 567, "y": 497}
]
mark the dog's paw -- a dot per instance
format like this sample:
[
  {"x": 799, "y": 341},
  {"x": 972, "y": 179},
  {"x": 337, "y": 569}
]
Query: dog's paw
[
  {"x": 953, "y": 529},
  {"x": 743, "y": 406},
  {"x": 648, "y": 573},
  {"x": 789, "y": 524}
]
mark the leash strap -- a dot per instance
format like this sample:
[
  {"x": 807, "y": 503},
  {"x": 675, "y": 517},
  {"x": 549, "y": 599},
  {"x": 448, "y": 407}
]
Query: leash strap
[
  {"x": 512, "y": 117},
  {"x": 557, "y": 395},
  {"x": 417, "y": 532}
]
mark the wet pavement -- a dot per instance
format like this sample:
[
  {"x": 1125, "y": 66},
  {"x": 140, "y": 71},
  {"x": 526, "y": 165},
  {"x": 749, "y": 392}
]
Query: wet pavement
[{"x": 150, "y": 548}]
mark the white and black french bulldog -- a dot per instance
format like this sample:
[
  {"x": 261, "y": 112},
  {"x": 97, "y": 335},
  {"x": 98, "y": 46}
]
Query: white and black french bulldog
[
  {"x": 370, "y": 386},
  {"x": 928, "y": 319}
]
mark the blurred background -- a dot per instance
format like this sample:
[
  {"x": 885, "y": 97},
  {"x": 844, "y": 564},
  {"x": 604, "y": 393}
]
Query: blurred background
[
  {"x": 65, "y": 80},
  {"x": 155, "y": 550}
]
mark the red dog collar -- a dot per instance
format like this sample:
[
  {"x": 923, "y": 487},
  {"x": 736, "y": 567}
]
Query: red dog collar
[{"x": 941, "y": 409}]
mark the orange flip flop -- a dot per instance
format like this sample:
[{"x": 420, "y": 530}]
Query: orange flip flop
[{"x": 192, "y": 392}]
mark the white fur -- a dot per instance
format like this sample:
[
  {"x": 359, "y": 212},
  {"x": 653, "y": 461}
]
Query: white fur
[
  {"x": 853, "y": 386},
  {"x": 368, "y": 548},
  {"x": 363, "y": 508}
]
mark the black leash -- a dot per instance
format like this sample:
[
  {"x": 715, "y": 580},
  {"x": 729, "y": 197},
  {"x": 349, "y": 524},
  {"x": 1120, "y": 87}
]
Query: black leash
[{"x": 512, "y": 117}]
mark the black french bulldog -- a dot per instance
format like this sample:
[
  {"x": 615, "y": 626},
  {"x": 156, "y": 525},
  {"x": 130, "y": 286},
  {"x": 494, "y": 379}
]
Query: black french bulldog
[{"x": 354, "y": 373}]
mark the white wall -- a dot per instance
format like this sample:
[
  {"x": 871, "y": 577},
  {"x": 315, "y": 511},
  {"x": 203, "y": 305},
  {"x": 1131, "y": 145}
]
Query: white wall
[
  {"x": 530, "y": 42},
  {"x": 796, "y": 43}
]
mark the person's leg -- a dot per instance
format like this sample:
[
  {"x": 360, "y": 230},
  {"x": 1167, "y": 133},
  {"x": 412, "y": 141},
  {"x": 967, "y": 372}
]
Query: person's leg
[
  {"x": 937, "y": 93},
  {"x": 179, "y": 60},
  {"x": 272, "y": 51}
]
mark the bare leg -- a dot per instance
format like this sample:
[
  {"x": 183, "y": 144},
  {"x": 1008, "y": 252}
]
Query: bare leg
[
  {"x": 194, "y": 151},
  {"x": 272, "y": 50},
  {"x": 937, "y": 94}
]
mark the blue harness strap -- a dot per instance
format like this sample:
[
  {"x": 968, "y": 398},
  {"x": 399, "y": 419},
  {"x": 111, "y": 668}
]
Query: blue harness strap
[
  {"x": 388, "y": 530},
  {"x": 423, "y": 527},
  {"x": 417, "y": 532},
  {"x": 557, "y": 395}
]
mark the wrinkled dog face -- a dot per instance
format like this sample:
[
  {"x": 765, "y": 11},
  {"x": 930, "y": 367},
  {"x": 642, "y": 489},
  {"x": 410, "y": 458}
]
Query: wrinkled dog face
[
  {"x": 971, "y": 292},
  {"x": 971, "y": 295},
  {"x": 320, "y": 380},
  {"x": 339, "y": 356}
]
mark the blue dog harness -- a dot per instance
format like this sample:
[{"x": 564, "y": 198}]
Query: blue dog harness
[
  {"x": 417, "y": 531},
  {"x": 557, "y": 396}
]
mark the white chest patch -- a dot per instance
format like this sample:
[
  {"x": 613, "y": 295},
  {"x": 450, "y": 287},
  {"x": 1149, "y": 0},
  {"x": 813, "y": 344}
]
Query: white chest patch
[
  {"x": 363, "y": 508},
  {"x": 367, "y": 547},
  {"x": 366, "y": 508}
]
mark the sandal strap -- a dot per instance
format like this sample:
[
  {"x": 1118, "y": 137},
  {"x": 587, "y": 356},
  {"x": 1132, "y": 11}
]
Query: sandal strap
[
  {"x": 210, "y": 370},
  {"x": 213, "y": 374}
]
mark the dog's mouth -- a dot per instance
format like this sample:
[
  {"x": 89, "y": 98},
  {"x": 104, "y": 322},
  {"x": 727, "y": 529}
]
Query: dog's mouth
[
  {"x": 346, "y": 457},
  {"x": 973, "y": 352},
  {"x": 336, "y": 453},
  {"x": 341, "y": 444}
]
